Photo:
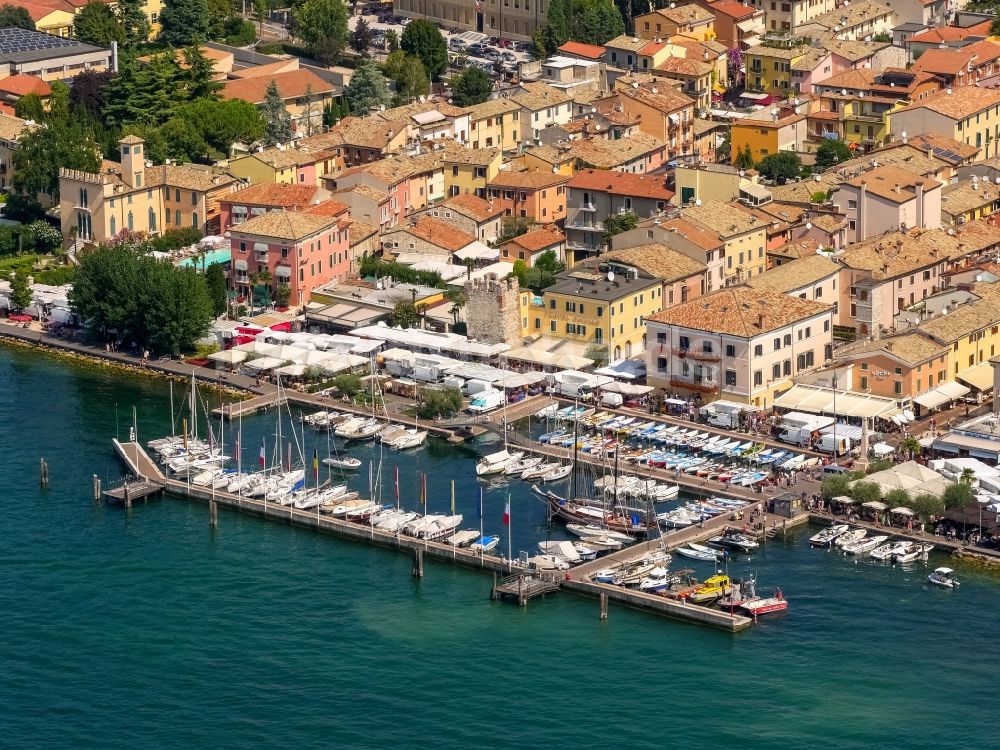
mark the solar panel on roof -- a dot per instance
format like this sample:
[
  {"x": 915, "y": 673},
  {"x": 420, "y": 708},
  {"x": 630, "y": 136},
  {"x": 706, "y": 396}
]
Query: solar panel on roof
[{"x": 14, "y": 39}]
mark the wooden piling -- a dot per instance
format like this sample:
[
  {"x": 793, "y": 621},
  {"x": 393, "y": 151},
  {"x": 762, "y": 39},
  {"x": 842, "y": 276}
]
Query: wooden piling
[
  {"x": 43, "y": 472},
  {"x": 97, "y": 488},
  {"x": 493, "y": 591},
  {"x": 128, "y": 496},
  {"x": 213, "y": 513},
  {"x": 604, "y": 606},
  {"x": 522, "y": 600},
  {"x": 418, "y": 562}
]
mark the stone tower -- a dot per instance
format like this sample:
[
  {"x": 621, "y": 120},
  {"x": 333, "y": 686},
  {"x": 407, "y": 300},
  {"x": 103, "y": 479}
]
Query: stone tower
[{"x": 493, "y": 310}]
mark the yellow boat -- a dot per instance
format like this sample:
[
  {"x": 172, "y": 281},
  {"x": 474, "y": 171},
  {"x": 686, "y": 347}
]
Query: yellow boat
[{"x": 714, "y": 588}]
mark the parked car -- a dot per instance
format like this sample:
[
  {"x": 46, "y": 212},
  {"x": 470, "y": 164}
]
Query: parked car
[
  {"x": 505, "y": 43},
  {"x": 457, "y": 43},
  {"x": 476, "y": 50}
]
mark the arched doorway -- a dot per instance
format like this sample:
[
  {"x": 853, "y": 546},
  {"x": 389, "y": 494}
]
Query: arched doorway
[{"x": 618, "y": 353}]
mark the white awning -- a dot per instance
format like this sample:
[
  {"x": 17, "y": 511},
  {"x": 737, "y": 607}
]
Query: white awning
[
  {"x": 751, "y": 25},
  {"x": 953, "y": 389},
  {"x": 240, "y": 265},
  {"x": 283, "y": 272},
  {"x": 931, "y": 399},
  {"x": 975, "y": 447},
  {"x": 264, "y": 363},
  {"x": 979, "y": 377},
  {"x": 902, "y": 511},
  {"x": 818, "y": 400},
  {"x": 674, "y": 118},
  {"x": 229, "y": 356},
  {"x": 874, "y": 505}
]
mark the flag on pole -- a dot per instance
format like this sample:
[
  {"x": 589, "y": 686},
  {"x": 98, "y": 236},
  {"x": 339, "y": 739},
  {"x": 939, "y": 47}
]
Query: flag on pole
[
  {"x": 262, "y": 457},
  {"x": 315, "y": 464},
  {"x": 397, "y": 483},
  {"x": 453, "y": 497},
  {"x": 506, "y": 513}
]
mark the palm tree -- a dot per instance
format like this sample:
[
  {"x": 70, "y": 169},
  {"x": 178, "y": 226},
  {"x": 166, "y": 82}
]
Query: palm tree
[{"x": 968, "y": 477}]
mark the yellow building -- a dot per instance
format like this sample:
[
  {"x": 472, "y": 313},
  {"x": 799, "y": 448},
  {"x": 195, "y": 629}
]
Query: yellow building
[
  {"x": 765, "y": 137},
  {"x": 769, "y": 69},
  {"x": 550, "y": 158},
  {"x": 586, "y": 307},
  {"x": 270, "y": 165},
  {"x": 468, "y": 170},
  {"x": 687, "y": 20},
  {"x": 969, "y": 114},
  {"x": 745, "y": 239},
  {"x": 51, "y": 19},
  {"x": 971, "y": 332},
  {"x": 495, "y": 123}
]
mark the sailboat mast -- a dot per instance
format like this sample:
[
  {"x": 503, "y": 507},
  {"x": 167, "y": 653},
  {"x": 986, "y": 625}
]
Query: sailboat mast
[
  {"x": 576, "y": 430},
  {"x": 173, "y": 419}
]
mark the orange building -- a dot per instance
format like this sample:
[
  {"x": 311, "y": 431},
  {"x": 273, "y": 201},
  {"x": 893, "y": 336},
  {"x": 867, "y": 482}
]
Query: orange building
[
  {"x": 540, "y": 196},
  {"x": 905, "y": 365}
]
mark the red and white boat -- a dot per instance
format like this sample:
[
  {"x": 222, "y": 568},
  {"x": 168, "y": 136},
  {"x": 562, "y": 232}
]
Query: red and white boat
[{"x": 765, "y": 605}]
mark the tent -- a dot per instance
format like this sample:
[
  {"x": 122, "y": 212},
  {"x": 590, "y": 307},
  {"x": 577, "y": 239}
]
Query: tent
[
  {"x": 230, "y": 356},
  {"x": 292, "y": 371},
  {"x": 263, "y": 363},
  {"x": 883, "y": 449},
  {"x": 874, "y": 505},
  {"x": 909, "y": 476},
  {"x": 902, "y": 511}
]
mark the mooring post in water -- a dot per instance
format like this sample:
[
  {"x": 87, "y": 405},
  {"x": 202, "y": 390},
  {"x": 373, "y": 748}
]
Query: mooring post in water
[
  {"x": 97, "y": 488},
  {"x": 43, "y": 475},
  {"x": 418, "y": 562},
  {"x": 128, "y": 496},
  {"x": 522, "y": 600},
  {"x": 604, "y": 606},
  {"x": 213, "y": 513},
  {"x": 493, "y": 591}
]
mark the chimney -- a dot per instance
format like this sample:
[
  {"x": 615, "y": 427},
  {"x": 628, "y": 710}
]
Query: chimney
[
  {"x": 897, "y": 187},
  {"x": 888, "y": 346},
  {"x": 760, "y": 322},
  {"x": 930, "y": 152},
  {"x": 919, "y": 185}
]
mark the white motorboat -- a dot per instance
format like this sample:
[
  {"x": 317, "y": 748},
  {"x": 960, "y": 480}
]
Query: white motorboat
[
  {"x": 396, "y": 522},
  {"x": 497, "y": 463},
  {"x": 602, "y": 543},
  {"x": 519, "y": 467},
  {"x": 850, "y": 537},
  {"x": 362, "y": 513},
  {"x": 417, "y": 525},
  {"x": 698, "y": 552},
  {"x": 441, "y": 526},
  {"x": 366, "y": 430},
  {"x": 589, "y": 530},
  {"x": 539, "y": 470},
  {"x": 227, "y": 477},
  {"x": 462, "y": 538},
  {"x": 389, "y": 433},
  {"x": 207, "y": 477},
  {"x": 585, "y": 552},
  {"x": 339, "y": 507},
  {"x": 865, "y": 545},
  {"x": 318, "y": 419},
  {"x": 409, "y": 439},
  {"x": 828, "y": 535},
  {"x": 911, "y": 551},
  {"x": 348, "y": 463},
  {"x": 886, "y": 551},
  {"x": 557, "y": 474},
  {"x": 943, "y": 577},
  {"x": 657, "y": 580},
  {"x": 565, "y": 550},
  {"x": 346, "y": 428},
  {"x": 485, "y": 543}
]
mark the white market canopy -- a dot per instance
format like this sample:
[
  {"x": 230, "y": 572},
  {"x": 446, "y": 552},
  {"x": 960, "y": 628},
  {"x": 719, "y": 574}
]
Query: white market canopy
[
  {"x": 979, "y": 377},
  {"x": 292, "y": 371},
  {"x": 341, "y": 362},
  {"x": 820, "y": 400},
  {"x": 910, "y": 476},
  {"x": 874, "y": 505},
  {"x": 942, "y": 394},
  {"x": 264, "y": 363},
  {"x": 414, "y": 338},
  {"x": 626, "y": 389},
  {"x": 562, "y": 360},
  {"x": 883, "y": 449},
  {"x": 902, "y": 511},
  {"x": 523, "y": 379},
  {"x": 628, "y": 369},
  {"x": 229, "y": 356}
]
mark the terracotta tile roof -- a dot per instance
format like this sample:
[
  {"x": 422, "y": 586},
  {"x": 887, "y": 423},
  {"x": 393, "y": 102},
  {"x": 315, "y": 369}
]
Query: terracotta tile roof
[
  {"x": 329, "y": 208},
  {"x": 969, "y": 238},
  {"x": 528, "y": 180},
  {"x": 783, "y": 122},
  {"x": 284, "y": 225},
  {"x": 965, "y": 196},
  {"x": 791, "y": 277},
  {"x": 944, "y": 146},
  {"x": 778, "y": 53},
  {"x": 358, "y": 232},
  {"x": 785, "y": 212},
  {"x": 905, "y": 156},
  {"x": 950, "y": 33},
  {"x": 657, "y": 260},
  {"x": 685, "y": 66},
  {"x": 539, "y": 95},
  {"x": 281, "y": 66},
  {"x": 698, "y": 235},
  {"x": 651, "y": 48},
  {"x": 829, "y": 223},
  {"x": 802, "y": 248},
  {"x": 740, "y": 311},
  {"x": 685, "y": 14},
  {"x": 622, "y": 183},
  {"x": 628, "y": 43},
  {"x": 188, "y": 178},
  {"x": 961, "y": 102},
  {"x": 891, "y": 255},
  {"x": 22, "y": 84},
  {"x": 291, "y": 85},
  {"x": 394, "y": 169},
  {"x": 856, "y": 13},
  {"x": 492, "y": 108},
  {"x": 696, "y": 49},
  {"x": 802, "y": 191},
  {"x": 539, "y": 239},
  {"x": 810, "y": 60},
  {"x": 283, "y": 158},
  {"x": 438, "y": 232},
  {"x": 733, "y": 9},
  {"x": 893, "y": 183},
  {"x": 276, "y": 194},
  {"x": 11, "y": 128},
  {"x": 910, "y": 348},
  {"x": 944, "y": 61},
  {"x": 371, "y": 193},
  {"x": 724, "y": 219},
  {"x": 474, "y": 207},
  {"x": 984, "y": 50},
  {"x": 590, "y": 51},
  {"x": 407, "y": 111},
  {"x": 361, "y": 132},
  {"x": 664, "y": 98},
  {"x": 600, "y": 152},
  {"x": 966, "y": 319},
  {"x": 451, "y": 152},
  {"x": 853, "y": 50}
]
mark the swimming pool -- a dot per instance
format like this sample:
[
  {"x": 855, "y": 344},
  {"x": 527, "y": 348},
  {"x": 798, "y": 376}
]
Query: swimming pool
[{"x": 222, "y": 255}]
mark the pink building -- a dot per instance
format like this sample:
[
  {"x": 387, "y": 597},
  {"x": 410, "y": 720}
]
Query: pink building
[
  {"x": 302, "y": 250},
  {"x": 238, "y": 207},
  {"x": 410, "y": 182},
  {"x": 888, "y": 199}
]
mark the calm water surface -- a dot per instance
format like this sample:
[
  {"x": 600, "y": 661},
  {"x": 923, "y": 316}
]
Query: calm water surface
[{"x": 146, "y": 629}]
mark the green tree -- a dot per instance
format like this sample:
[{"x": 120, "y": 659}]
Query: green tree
[
  {"x": 277, "y": 120},
  {"x": 123, "y": 99},
  {"x": 409, "y": 74},
  {"x": 282, "y": 295},
  {"x": 471, "y": 86},
  {"x": 134, "y": 21},
  {"x": 349, "y": 385},
  {"x": 45, "y": 237},
  {"x": 87, "y": 95},
  {"x": 925, "y": 505},
  {"x": 58, "y": 103},
  {"x": 180, "y": 311},
  {"x": 780, "y": 167},
  {"x": 818, "y": 197},
  {"x": 439, "y": 402},
  {"x": 43, "y": 151},
  {"x": 548, "y": 261},
  {"x": 261, "y": 9},
  {"x": 215, "y": 282},
  {"x": 422, "y": 39},
  {"x": 182, "y": 141},
  {"x": 391, "y": 40},
  {"x": 957, "y": 496},
  {"x": 322, "y": 25},
  {"x": 866, "y": 492},
  {"x": 618, "y": 223},
  {"x": 911, "y": 446},
  {"x": 831, "y": 152},
  {"x": 16, "y": 17},
  {"x": 834, "y": 486},
  {"x": 362, "y": 37},
  {"x": 558, "y": 18},
  {"x": 744, "y": 158},
  {"x": 883, "y": 36},
  {"x": 20, "y": 292},
  {"x": 968, "y": 477},
  {"x": 30, "y": 107},
  {"x": 898, "y": 498},
  {"x": 511, "y": 227},
  {"x": 96, "y": 23},
  {"x": 367, "y": 90},
  {"x": 220, "y": 124},
  {"x": 405, "y": 315},
  {"x": 184, "y": 21},
  {"x": 200, "y": 74}
]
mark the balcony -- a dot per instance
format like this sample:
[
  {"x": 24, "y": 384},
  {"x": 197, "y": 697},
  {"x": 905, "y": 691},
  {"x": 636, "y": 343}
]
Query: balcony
[
  {"x": 587, "y": 226},
  {"x": 702, "y": 385},
  {"x": 872, "y": 117},
  {"x": 588, "y": 207}
]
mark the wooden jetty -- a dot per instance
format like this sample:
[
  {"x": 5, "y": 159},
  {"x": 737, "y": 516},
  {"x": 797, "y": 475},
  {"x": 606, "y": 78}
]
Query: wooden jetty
[
  {"x": 525, "y": 586},
  {"x": 236, "y": 409},
  {"x": 130, "y": 491}
]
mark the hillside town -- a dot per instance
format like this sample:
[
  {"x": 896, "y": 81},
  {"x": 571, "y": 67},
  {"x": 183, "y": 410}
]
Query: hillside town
[{"x": 768, "y": 206}]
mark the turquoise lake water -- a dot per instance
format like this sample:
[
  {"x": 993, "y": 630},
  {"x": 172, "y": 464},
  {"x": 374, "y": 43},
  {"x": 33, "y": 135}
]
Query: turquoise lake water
[{"x": 147, "y": 630}]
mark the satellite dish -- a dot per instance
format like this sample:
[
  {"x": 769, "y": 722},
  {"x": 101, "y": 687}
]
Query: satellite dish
[
  {"x": 809, "y": 225},
  {"x": 697, "y": 202},
  {"x": 611, "y": 275}
]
